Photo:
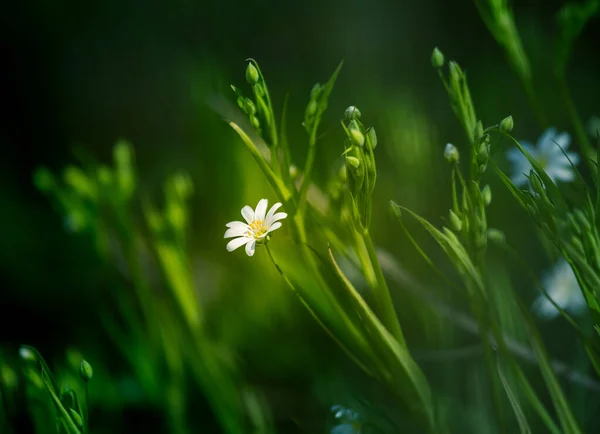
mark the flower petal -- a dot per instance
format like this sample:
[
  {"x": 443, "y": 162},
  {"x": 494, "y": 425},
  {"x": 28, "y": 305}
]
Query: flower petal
[
  {"x": 560, "y": 173},
  {"x": 233, "y": 224},
  {"x": 248, "y": 214},
  {"x": 274, "y": 226},
  {"x": 237, "y": 230},
  {"x": 250, "y": 248},
  {"x": 272, "y": 210},
  {"x": 237, "y": 242},
  {"x": 274, "y": 218},
  {"x": 546, "y": 140},
  {"x": 261, "y": 209}
]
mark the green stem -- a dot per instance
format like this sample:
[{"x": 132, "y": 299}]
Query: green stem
[
  {"x": 381, "y": 294},
  {"x": 316, "y": 317},
  {"x": 86, "y": 420}
]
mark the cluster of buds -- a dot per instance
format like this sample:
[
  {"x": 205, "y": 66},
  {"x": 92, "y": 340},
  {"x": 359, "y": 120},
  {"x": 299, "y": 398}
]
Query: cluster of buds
[
  {"x": 258, "y": 110},
  {"x": 360, "y": 165}
]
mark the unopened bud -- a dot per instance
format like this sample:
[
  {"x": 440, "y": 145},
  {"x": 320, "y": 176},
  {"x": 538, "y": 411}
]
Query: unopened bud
[
  {"x": 249, "y": 107},
  {"x": 372, "y": 137},
  {"x": 76, "y": 418},
  {"x": 455, "y": 222},
  {"x": 27, "y": 354},
  {"x": 478, "y": 133},
  {"x": 507, "y": 124},
  {"x": 536, "y": 183},
  {"x": 353, "y": 161},
  {"x": 252, "y": 75},
  {"x": 437, "y": 58},
  {"x": 356, "y": 135},
  {"x": 293, "y": 171},
  {"x": 311, "y": 108},
  {"x": 255, "y": 122},
  {"x": 395, "y": 209},
  {"x": 451, "y": 154},
  {"x": 352, "y": 112},
  {"x": 258, "y": 90},
  {"x": 86, "y": 371},
  {"x": 486, "y": 194},
  {"x": 315, "y": 91},
  {"x": 496, "y": 236}
]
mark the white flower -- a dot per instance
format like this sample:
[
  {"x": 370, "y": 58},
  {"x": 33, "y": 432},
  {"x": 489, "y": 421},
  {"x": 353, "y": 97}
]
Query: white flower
[
  {"x": 349, "y": 421},
  {"x": 562, "y": 286},
  {"x": 257, "y": 226},
  {"x": 550, "y": 156}
]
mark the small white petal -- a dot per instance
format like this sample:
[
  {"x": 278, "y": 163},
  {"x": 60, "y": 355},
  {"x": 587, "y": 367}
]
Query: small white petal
[
  {"x": 261, "y": 209},
  {"x": 546, "y": 140},
  {"x": 544, "y": 308},
  {"x": 515, "y": 155},
  {"x": 236, "y": 231},
  {"x": 234, "y": 224},
  {"x": 237, "y": 242},
  {"x": 561, "y": 173},
  {"x": 274, "y": 226},
  {"x": 250, "y": 248},
  {"x": 573, "y": 157},
  {"x": 272, "y": 210},
  {"x": 248, "y": 214},
  {"x": 276, "y": 217}
]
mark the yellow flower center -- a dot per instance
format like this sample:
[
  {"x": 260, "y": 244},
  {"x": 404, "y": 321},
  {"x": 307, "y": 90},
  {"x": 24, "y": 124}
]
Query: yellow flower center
[{"x": 257, "y": 229}]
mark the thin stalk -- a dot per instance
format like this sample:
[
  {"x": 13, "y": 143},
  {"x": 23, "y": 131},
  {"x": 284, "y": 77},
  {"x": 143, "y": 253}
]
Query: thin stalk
[
  {"x": 316, "y": 317},
  {"x": 381, "y": 294}
]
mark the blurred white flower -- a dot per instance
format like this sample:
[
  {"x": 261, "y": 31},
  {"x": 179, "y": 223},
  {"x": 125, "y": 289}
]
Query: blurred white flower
[
  {"x": 348, "y": 421},
  {"x": 257, "y": 226},
  {"x": 562, "y": 286},
  {"x": 550, "y": 156}
]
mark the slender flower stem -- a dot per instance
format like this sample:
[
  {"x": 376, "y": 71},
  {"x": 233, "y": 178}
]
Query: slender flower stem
[
  {"x": 381, "y": 294},
  {"x": 315, "y": 316}
]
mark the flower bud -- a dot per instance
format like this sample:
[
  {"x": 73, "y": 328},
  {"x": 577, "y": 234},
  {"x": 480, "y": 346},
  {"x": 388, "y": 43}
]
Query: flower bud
[
  {"x": 241, "y": 102},
  {"x": 507, "y": 124},
  {"x": 451, "y": 154},
  {"x": 536, "y": 183},
  {"x": 478, "y": 133},
  {"x": 76, "y": 418},
  {"x": 353, "y": 161},
  {"x": 86, "y": 371},
  {"x": 486, "y": 195},
  {"x": 258, "y": 90},
  {"x": 437, "y": 58},
  {"x": 496, "y": 236},
  {"x": 356, "y": 135},
  {"x": 311, "y": 108},
  {"x": 293, "y": 171},
  {"x": 249, "y": 107},
  {"x": 483, "y": 154},
  {"x": 372, "y": 137},
  {"x": 252, "y": 75},
  {"x": 255, "y": 122},
  {"x": 455, "y": 222},
  {"x": 395, "y": 209},
  {"x": 27, "y": 354},
  {"x": 352, "y": 112},
  {"x": 315, "y": 91}
]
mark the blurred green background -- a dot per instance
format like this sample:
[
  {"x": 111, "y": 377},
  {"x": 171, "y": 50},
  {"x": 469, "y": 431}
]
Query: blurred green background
[{"x": 77, "y": 77}]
